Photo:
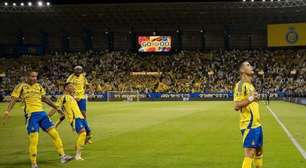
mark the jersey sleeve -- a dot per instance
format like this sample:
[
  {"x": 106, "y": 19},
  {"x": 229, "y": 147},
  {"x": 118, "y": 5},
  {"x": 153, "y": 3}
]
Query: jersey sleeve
[
  {"x": 59, "y": 102},
  {"x": 69, "y": 79},
  {"x": 17, "y": 91},
  {"x": 240, "y": 92},
  {"x": 68, "y": 108},
  {"x": 85, "y": 81}
]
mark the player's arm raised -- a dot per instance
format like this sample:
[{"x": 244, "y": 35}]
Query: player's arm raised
[{"x": 243, "y": 103}]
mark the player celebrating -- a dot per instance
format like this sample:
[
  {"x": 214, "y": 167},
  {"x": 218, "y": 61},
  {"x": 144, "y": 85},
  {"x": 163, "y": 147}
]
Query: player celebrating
[
  {"x": 79, "y": 82},
  {"x": 74, "y": 116},
  {"x": 246, "y": 102},
  {"x": 33, "y": 94}
]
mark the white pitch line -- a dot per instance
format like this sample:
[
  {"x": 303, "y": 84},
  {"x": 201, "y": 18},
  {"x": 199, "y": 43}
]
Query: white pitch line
[{"x": 293, "y": 140}]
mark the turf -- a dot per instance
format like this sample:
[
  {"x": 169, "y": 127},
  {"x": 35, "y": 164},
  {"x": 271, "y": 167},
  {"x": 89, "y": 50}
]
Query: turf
[{"x": 161, "y": 135}]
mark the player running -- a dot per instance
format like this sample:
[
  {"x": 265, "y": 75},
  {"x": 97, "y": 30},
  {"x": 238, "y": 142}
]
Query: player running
[
  {"x": 79, "y": 82},
  {"x": 74, "y": 116},
  {"x": 33, "y": 94},
  {"x": 246, "y": 102}
]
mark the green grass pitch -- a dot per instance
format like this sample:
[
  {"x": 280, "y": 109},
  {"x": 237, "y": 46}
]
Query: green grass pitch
[{"x": 161, "y": 135}]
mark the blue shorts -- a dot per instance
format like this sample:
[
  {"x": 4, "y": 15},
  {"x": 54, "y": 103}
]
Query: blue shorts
[
  {"x": 38, "y": 119},
  {"x": 252, "y": 138},
  {"x": 82, "y": 105},
  {"x": 80, "y": 124}
]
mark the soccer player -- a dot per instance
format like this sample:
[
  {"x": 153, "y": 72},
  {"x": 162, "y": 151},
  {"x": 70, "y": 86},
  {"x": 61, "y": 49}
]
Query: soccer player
[
  {"x": 33, "y": 94},
  {"x": 246, "y": 102},
  {"x": 79, "y": 82},
  {"x": 74, "y": 116}
]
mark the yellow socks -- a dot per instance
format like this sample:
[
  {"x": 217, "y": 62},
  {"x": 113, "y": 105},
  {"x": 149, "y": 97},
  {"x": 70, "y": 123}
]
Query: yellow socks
[
  {"x": 80, "y": 140},
  {"x": 247, "y": 162},
  {"x": 33, "y": 139},
  {"x": 258, "y": 161},
  {"x": 57, "y": 141}
]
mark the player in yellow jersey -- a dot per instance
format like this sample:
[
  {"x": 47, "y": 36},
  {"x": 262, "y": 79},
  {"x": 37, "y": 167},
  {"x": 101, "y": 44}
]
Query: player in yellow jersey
[
  {"x": 79, "y": 82},
  {"x": 246, "y": 102},
  {"x": 33, "y": 95},
  {"x": 74, "y": 116}
]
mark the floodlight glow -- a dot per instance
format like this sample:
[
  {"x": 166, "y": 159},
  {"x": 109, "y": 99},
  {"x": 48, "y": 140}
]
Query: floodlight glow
[
  {"x": 48, "y": 3},
  {"x": 14, "y": 4},
  {"x": 5, "y": 3},
  {"x": 21, "y": 4},
  {"x": 29, "y": 3},
  {"x": 40, "y": 3}
]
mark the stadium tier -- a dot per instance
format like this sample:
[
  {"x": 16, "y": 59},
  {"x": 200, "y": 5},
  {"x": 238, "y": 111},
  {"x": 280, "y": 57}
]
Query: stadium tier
[{"x": 282, "y": 72}]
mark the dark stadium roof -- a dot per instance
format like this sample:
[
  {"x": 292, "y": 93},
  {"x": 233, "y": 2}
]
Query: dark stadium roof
[
  {"x": 159, "y": 15},
  {"x": 59, "y": 2},
  {"x": 127, "y": 1}
]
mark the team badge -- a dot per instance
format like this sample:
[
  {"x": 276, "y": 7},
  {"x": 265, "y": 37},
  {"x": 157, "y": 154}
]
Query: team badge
[{"x": 292, "y": 36}]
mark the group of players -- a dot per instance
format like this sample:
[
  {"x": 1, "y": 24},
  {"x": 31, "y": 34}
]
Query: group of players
[{"x": 71, "y": 106}]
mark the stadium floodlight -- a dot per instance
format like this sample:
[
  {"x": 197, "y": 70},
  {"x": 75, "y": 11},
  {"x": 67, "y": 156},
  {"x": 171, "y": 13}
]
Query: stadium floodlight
[
  {"x": 40, "y": 3},
  {"x": 21, "y": 4},
  {"x": 48, "y": 4},
  {"x": 243, "y": 0},
  {"x": 5, "y": 4},
  {"x": 263, "y": 0},
  {"x": 14, "y": 4},
  {"x": 29, "y": 3},
  {"x": 252, "y": 0}
]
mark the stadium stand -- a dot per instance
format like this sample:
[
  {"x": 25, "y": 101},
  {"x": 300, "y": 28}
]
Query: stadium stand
[{"x": 185, "y": 72}]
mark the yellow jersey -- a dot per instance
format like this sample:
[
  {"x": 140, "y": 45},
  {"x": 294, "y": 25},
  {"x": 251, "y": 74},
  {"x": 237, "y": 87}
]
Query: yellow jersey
[
  {"x": 31, "y": 96},
  {"x": 70, "y": 107},
  {"x": 249, "y": 115},
  {"x": 79, "y": 83}
]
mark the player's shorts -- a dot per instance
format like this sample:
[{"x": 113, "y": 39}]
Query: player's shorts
[
  {"x": 252, "y": 138},
  {"x": 38, "y": 120},
  {"x": 79, "y": 124},
  {"x": 82, "y": 105}
]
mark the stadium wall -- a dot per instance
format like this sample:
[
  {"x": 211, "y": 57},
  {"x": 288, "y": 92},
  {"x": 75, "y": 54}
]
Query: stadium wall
[
  {"x": 296, "y": 100},
  {"x": 193, "y": 37},
  {"x": 168, "y": 97}
]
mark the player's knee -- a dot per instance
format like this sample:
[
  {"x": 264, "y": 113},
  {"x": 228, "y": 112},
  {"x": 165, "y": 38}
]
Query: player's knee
[
  {"x": 33, "y": 138},
  {"x": 83, "y": 131},
  {"x": 53, "y": 133},
  {"x": 259, "y": 153},
  {"x": 250, "y": 153}
]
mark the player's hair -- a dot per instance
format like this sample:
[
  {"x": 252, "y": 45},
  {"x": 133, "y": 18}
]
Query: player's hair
[
  {"x": 29, "y": 72},
  {"x": 66, "y": 84},
  {"x": 241, "y": 64}
]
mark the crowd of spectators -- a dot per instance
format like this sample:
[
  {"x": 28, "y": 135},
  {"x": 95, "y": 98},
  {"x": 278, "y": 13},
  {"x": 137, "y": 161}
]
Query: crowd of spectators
[{"x": 186, "y": 71}]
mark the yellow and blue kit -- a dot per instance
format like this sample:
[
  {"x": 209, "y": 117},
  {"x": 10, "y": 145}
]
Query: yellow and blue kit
[
  {"x": 250, "y": 123},
  {"x": 79, "y": 83},
  {"x": 33, "y": 106},
  {"x": 72, "y": 113}
]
